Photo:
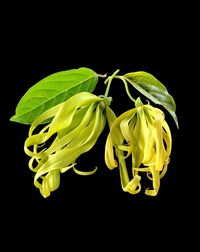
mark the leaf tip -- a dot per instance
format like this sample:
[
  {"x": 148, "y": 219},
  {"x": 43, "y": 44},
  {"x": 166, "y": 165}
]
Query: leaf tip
[
  {"x": 177, "y": 124},
  {"x": 17, "y": 119},
  {"x": 12, "y": 119},
  {"x": 173, "y": 114}
]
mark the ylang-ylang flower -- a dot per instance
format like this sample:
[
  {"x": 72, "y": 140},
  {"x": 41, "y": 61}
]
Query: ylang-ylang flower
[
  {"x": 139, "y": 141},
  {"x": 72, "y": 128}
]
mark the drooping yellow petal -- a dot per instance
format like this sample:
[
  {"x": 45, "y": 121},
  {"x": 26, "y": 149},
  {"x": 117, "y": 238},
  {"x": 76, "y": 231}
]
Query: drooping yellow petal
[
  {"x": 167, "y": 138},
  {"x": 110, "y": 141},
  {"x": 141, "y": 132},
  {"x": 149, "y": 150},
  {"x": 130, "y": 144},
  {"x": 110, "y": 115},
  {"x": 109, "y": 154},
  {"x": 124, "y": 177},
  {"x": 124, "y": 126},
  {"x": 160, "y": 150}
]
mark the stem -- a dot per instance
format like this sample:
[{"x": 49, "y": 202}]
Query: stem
[
  {"x": 109, "y": 80},
  {"x": 126, "y": 87},
  {"x": 102, "y": 75}
]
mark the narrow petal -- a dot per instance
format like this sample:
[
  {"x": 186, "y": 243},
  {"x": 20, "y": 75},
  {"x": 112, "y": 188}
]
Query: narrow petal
[
  {"x": 109, "y": 154},
  {"x": 149, "y": 151},
  {"x": 124, "y": 177},
  {"x": 160, "y": 150},
  {"x": 168, "y": 138},
  {"x": 110, "y": 115},
  {"x": 48, "y": 114},
  {"x": 84, "y": 173}
]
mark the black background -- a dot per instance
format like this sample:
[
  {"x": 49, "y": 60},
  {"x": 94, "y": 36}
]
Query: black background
[{"x": 93, "y": 212}]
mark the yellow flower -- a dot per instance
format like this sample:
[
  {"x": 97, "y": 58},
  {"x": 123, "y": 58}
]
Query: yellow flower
[
  {"x": 142, "y": 134},
  {"x": 74, "y": 128}
]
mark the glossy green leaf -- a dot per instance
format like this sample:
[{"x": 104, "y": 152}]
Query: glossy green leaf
[
  {"x": 153, "y": 89},
  {"x": 52, "y": 90}
]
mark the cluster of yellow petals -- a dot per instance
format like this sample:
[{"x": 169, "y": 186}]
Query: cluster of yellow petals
[
  {"x": 72, "y": 128},
  {"x": 143, "y": 135}
]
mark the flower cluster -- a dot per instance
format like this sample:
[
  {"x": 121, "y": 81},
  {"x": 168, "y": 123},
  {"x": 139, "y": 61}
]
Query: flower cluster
[
  {"x": 142, "y": 134},
  {"x": 74, "y": 128}
]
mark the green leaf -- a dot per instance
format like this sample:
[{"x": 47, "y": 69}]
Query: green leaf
[
  {"x": 153, "y": 89},
  {"x": 52, "y": 90}
]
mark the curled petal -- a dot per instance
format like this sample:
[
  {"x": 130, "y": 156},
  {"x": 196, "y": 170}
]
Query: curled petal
[
  {"x": 127, "y": 148},
  {"x": 163, "y": 172},
  {"x": 84, "y": 172},
  {"x": 49, "y": 183},
  {"x": 133, "y": 186}
]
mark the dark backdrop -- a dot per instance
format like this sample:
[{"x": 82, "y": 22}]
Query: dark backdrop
[{"x": 42, "y": 38}]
